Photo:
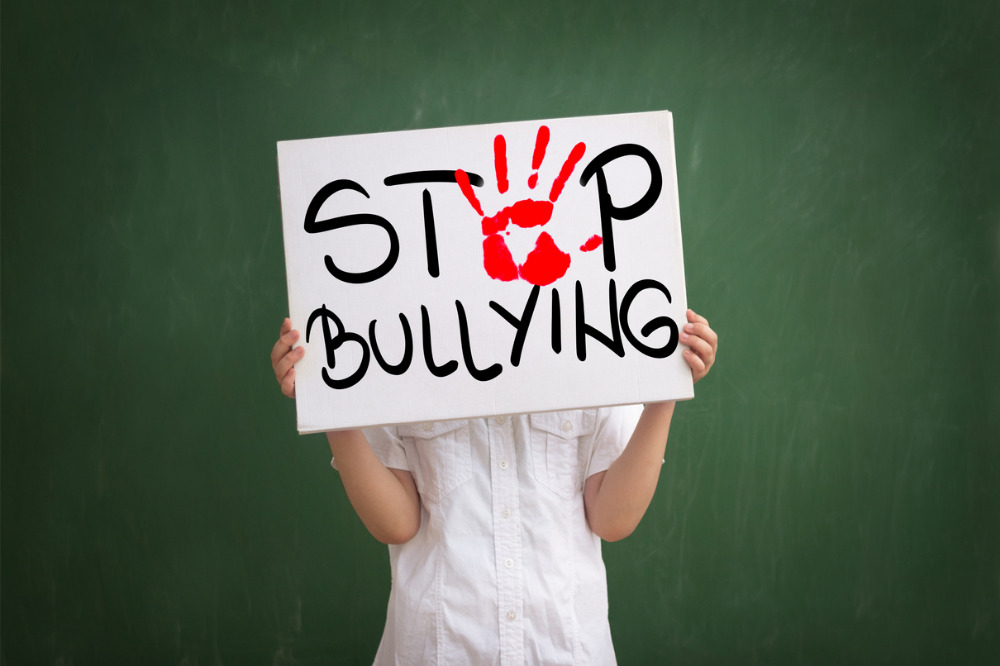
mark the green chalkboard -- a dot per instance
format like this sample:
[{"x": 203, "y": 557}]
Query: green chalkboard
[{"x": 831, "y": 496}]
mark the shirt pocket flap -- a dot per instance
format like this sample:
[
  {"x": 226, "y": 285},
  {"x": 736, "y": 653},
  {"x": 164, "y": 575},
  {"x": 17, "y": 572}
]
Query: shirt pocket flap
[
  {"x": 567, "y": 425},
  {"x": 429, "y": 430}
]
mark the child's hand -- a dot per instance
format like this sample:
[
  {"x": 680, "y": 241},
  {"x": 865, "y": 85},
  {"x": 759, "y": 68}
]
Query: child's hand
[
  {"x": 702, "y": 344},
  {"x": 284, "y": 358}
]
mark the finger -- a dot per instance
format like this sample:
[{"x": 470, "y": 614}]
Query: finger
[
  {"x": 703, "y": 331},
  {"x": 280, "y": 346},
  {"x": 288, "y": 383},
  {"x": 697, "y": 365},
  {"x": 696, "y": 318},
  {"x": 698, "y": 345},
  {"x": 284, "y": 344},
  {"x": 287, "y": 361}
]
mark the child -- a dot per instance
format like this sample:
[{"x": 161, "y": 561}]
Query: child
[{"x": 494, "y": 525}]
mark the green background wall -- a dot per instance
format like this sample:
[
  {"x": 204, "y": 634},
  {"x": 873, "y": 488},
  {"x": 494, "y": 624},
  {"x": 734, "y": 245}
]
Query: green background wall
[{"x": 831, "y": 496}]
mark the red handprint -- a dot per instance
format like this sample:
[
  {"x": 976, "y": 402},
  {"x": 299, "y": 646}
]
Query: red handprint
[{"x": 546, "y": 263}]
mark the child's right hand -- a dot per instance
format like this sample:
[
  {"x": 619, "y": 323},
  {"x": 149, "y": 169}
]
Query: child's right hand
[{"x": 284, "y": 358}]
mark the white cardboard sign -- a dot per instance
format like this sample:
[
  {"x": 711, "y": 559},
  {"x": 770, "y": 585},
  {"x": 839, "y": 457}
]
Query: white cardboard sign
[{"x": 489, "y": 269}]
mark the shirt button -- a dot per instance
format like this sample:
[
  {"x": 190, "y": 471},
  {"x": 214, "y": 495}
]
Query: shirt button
[
  {"x": 503, "y": 464},
  {"x": 511, "y": 615},
  {"x": 505, "y": 513},
  {"x": 427, "y": 427},
  {"x": 567, "y": 426},
  {"x": 501, "y": 420},
  {"x": 509, "y": 563}
]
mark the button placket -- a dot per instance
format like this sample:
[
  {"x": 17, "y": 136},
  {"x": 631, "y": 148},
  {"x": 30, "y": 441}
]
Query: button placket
[{"x": 506, "y": 539}]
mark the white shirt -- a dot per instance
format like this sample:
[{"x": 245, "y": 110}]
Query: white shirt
[{"x": 504, "y": 568}]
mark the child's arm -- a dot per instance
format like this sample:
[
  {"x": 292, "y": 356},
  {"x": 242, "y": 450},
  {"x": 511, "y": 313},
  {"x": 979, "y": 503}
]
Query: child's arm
[
  {"x": 385, "y": 499},
  {"x": 616, "y": 499}
]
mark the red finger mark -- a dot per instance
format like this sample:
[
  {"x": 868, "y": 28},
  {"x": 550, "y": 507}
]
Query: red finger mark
[
  {"x": 546, "y": 263},
  {"x": 525, "y": 213},
  {"x": 592, "y": 243},
  {"x": 500, "y": 161},
  {"x": 463, "y": 183},
  {"x": 530, "y": 213},
  {"x": 496, "y": 224},
  {"x": 567, "y": 169},
  {"x": 497, "y": 259},
  {"x": 541, "y": 142}
]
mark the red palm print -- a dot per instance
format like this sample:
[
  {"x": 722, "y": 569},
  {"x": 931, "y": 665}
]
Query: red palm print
[{"x": 546, "y": 263}]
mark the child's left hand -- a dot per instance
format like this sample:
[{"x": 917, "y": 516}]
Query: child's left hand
[{"x": 702, "y": 344}]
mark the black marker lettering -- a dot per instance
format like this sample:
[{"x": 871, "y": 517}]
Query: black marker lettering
[
  {"x": 611, "y": 212},
  {"x": 314, "y": 226},
  {"x": 463, "y": 327},
  {"x": 333, "y": 343},
  {"x": 436, "y": 370},
  {"x": 652, "y": 325},
  {"x": 404, "y": 364},
  {"x": 520, "y": 324},
  {"x": 583, "y": 329},
  {"x": 430, "y": 234},
  {"x": 430, "y": 237},
  {"x": 429, "y": 176},
  {"x": 556, "y": 322}
]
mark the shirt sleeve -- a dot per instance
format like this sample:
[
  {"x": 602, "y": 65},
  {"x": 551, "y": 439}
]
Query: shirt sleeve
[
  {"x": 614, "y": 428},
  {"x": 386, "y": 444}
]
